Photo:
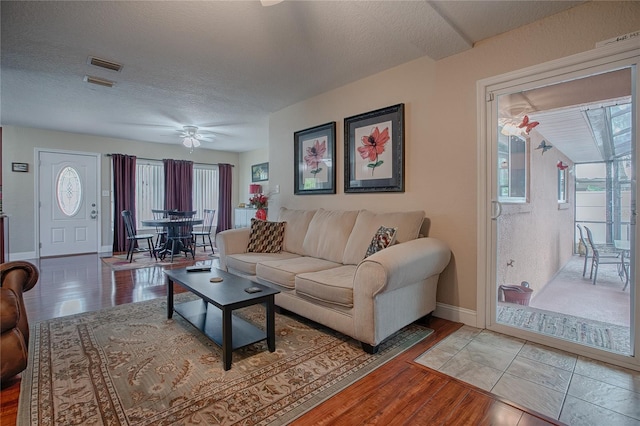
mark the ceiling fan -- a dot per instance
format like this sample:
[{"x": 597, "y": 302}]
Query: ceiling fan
[{"x": 190, "y": 137}]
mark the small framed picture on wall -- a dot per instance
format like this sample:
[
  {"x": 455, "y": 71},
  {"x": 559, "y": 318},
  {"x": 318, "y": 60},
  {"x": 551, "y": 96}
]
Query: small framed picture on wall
[
  {"x": 20, "y": 167},
  {"x": 260, "y": 172}
]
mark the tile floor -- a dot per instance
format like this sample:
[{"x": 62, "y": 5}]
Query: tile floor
[{"x": 571, "y": 388}]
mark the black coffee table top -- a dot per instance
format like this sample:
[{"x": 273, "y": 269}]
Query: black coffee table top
[{"x": 229, "y": 291}]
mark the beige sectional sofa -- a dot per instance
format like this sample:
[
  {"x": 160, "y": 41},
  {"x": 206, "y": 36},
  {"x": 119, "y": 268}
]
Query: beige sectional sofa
[{"x": 323, "y": 275}]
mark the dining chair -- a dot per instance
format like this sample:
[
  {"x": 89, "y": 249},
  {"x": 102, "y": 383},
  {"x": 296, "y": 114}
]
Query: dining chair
[
  {"x": 180, "y": 239},
  {"x": 161, "y": 231},
  {"x": 598, "y": 258},
  {"x": 133, "y": 237},
  {"x": 205, "y": 232},
  {"x": 178, "y": 214}
]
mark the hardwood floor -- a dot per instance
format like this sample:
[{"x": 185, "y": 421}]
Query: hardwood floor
[{"x": 400, "y": 392}]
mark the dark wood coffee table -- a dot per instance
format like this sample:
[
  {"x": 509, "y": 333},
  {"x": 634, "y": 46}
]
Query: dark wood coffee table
[{"x": 213, "y": 314}]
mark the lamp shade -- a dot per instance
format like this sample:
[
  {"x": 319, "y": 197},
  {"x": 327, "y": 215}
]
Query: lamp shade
[{"x": 255, "y": 188}]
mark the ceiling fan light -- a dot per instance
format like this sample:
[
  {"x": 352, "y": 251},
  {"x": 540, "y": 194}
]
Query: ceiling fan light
[
  {"x": 190, "y": 142},
  {"x": 510, "y": 129}
]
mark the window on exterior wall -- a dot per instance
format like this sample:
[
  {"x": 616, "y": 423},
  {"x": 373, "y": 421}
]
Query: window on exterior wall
[
  {"x": 512, "y": 169},
  {"x": 205, "y": 188},
  {"x": 150, "y": 188},
  {"x": 562, "y": 186}
]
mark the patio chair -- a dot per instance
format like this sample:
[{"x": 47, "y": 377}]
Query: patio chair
[
  {"x": 599, "y": 258},
  {"x": 205, "y": 232},
  {"x": 133, "y": 237},
  {"x": 587, "y": 254}
]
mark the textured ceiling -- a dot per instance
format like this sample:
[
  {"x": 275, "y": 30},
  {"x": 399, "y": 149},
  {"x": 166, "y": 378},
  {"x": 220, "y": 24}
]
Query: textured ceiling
[{"x": 221, "y": 65}]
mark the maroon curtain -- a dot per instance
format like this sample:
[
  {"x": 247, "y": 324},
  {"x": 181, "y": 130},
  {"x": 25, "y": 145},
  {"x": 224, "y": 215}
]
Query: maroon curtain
[
  {"x": 124, "y": 196},
  {"x": 178, "y": 185},
  {"x": 224, "y": 197}
]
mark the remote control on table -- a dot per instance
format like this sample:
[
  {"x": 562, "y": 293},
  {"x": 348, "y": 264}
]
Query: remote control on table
[
  {"x": 252, "y": 290},
  {"x": 198, "y": 268}
]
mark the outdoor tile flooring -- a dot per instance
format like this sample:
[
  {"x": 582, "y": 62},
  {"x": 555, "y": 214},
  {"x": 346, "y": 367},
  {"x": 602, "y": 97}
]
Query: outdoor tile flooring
[{"x": 571, "y": 388}]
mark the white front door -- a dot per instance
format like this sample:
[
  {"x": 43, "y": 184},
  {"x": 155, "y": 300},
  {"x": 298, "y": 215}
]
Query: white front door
[{"x": 68, "y": 191}]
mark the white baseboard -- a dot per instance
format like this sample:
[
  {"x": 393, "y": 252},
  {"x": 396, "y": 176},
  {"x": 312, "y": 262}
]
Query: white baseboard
[
  {"x": 27, "y": 255},
  {"x": 30, "y": 255},
  {"x": 455, "y": 313}
]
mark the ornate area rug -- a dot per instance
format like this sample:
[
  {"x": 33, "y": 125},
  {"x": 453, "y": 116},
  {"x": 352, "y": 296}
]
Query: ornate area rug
[
  {"x": 589, "y": 332},
  {"x": 129, "y": 365},
  {"x": 119, "y": 262}
]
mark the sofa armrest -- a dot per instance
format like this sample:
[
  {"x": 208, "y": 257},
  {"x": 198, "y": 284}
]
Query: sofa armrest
[
  {"x": 401, "y": 265},
  {"x": 232, "y": 241}
]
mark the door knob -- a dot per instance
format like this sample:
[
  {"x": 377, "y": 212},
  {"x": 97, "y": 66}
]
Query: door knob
[{"x": 94, "y": 214}]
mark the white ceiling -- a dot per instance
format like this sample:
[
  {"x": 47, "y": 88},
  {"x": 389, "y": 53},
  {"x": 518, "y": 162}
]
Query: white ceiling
[{"x": 221, "y": 65}]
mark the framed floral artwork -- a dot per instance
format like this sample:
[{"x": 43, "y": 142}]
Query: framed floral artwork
[
  {"x": 374, "y": 151},
  {"x": 315, "y": 157}
]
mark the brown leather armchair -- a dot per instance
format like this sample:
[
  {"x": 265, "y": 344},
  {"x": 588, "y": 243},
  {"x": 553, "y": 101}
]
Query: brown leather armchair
[{"x": 16, "y": 278}]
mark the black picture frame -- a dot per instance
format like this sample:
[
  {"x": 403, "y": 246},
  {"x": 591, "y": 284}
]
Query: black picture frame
[
  {"x": 20, "y": 167},
  {"x": 315, "y": 160},
  {"x": 260, "y": 172},
  {"x": 380, "y": 170}
]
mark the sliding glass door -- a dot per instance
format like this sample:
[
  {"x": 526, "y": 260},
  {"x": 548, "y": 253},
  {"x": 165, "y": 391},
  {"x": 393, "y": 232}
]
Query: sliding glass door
[{"x": 562, "y": 164}]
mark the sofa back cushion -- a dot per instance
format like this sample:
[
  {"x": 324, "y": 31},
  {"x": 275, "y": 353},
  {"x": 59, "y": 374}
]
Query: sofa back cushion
[
  {"x": 296, "y": 229},
  {"x": 407, "y": 223},
  {"x": 328, "y": 234}
]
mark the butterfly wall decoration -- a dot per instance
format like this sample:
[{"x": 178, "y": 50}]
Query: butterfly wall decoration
[
  {"x": 544, "y": 146},
  {"x": 527, "y": 125},
  {"x": 561, "y": 165}
]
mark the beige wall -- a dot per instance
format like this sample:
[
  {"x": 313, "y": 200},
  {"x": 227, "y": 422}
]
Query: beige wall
[
  {"x": 536, "y": 256},
  {"x": 19, "y": 144},
  {"x": 441, "y": 131},
  {"x": 247, "y": 159}
]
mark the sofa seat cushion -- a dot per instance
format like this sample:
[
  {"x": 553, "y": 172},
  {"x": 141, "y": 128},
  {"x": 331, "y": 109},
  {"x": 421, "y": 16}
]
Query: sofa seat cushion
[
  {"x": 283, "y": 271},
  {"x": 333, "y": 286},
  {"x": 246, "y": 262}
]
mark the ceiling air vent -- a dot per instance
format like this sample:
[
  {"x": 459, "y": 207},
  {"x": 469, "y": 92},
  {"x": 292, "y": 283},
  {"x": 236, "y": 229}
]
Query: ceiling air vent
[
  {"x": 103, "y": 63},
  {"x": 99, "y": 81}
]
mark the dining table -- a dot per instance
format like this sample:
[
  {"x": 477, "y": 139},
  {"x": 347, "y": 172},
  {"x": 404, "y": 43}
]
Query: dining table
[{"x": 171, "y": 225}]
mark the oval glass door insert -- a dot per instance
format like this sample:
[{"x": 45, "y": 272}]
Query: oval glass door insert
[{"x": 69, "y": 192}]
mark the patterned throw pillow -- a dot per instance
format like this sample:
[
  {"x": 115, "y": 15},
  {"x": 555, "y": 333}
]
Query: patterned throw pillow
[
  {"x": 266, "y": 237},
  {"x": 383, "y": 238}
]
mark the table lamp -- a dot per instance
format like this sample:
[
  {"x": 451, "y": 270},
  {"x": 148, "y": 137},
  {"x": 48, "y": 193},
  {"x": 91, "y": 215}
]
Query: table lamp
[{"x": 255, "y": 188}]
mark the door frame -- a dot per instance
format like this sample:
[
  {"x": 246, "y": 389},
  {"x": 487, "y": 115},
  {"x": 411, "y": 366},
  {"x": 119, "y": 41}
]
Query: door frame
[
  {"x": 602, "y": 58},
  {"x": 36, "y": 206}
]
